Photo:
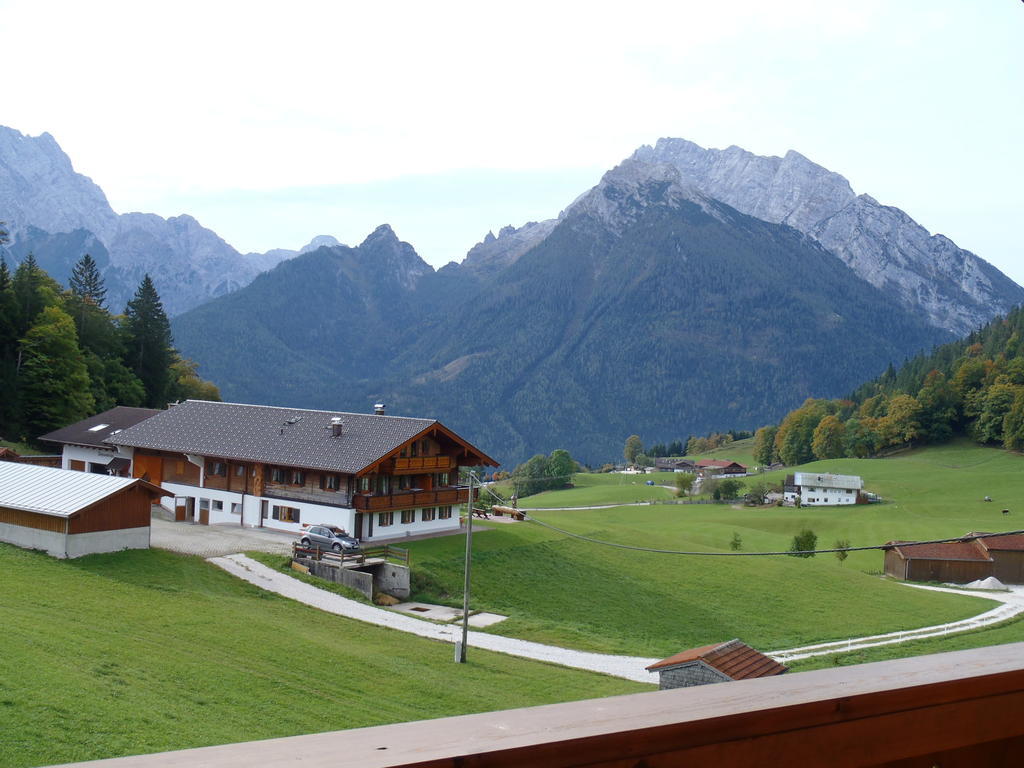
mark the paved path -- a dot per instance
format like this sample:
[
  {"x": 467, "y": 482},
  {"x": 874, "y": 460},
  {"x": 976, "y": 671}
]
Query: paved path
[
  {"x": 628, "y": 667},
  {"x": 1012, "y": 605}
]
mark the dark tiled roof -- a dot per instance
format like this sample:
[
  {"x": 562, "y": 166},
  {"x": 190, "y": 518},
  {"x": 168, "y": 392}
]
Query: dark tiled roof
[
  {"x": 951, "y": 550},
  {"x": 117, "y": 418},
  {"x": 719, "y": 463},
  {"x": 289, "y": 436},
  {"x": 1014, "y": 542},
  {"x": 735, "y": 659}
]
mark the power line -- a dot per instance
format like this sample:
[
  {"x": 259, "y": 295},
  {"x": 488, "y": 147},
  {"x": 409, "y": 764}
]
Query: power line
[{"x": 634, "y": 548}]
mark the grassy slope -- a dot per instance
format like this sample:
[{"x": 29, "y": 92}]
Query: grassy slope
[
  {"x": 610, "y": 488},
  {"x": 145, "y": 651},
  {"x": 567, "y": 591}
]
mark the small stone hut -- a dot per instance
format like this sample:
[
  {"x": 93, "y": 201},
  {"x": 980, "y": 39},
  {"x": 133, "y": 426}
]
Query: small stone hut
[{"x": 718, "y": 663}]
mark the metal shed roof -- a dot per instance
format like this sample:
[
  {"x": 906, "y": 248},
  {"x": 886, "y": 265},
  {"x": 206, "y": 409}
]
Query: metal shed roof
[
  {"x": 57, "y": 492},
  {"x": 828, "y": 481}
]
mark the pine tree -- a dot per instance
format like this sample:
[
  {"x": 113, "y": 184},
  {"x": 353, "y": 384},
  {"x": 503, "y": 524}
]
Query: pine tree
[
  {"x": 148, "y": 344},
  {"x": 86, "y": 281}
]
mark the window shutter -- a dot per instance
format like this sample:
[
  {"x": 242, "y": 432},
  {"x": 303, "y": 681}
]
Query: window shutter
[{"x": 323, "y": 481}]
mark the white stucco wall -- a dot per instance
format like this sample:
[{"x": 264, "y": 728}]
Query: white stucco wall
[
  {"x": 400, "y": 530},
  {"x": 88, "y": 455},
  {"x": 309, "y": 512},
  {"x": 824, "y": 497},
  {"x": 75, "y": 545}
]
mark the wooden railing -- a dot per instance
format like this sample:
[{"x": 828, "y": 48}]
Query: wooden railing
[
  {"x": 409, "y": 499},
  {"x": 387, "y": 552},
  {"x": 422, "y": 464},
  {"x": 950, "y": 709}
]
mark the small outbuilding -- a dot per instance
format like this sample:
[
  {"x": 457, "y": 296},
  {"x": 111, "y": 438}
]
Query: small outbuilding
[
  {"x": 1007, "y": 553},
  {"x": 958, "y": 562},
  {"x": 718, "y": 663},
  {"x": 70, "y": 514}
]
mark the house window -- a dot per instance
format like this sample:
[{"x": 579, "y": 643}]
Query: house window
[
  {"x": 428, "y": 514},
  {"x": 441, "y": 479},
  {"x": 286, "y": 514},
  {"x": 425, "y": 447},
  {"x": 383, "y": 484},
  {"x": 444, "y": 513},
  {"x": 404, "y": 453},
  {"x": 331, "y": 482},
  {"x": 277, "y": 475},
  {"x": 404, "y": 482},
  {"x": 236, "y": 509},
  {"x": 408, "y": 516},
  {"x": 298, "y": 477},
  {"x": 218, "y": 506},
  {"x": 364, "y": 483},
  {"x": 415, "y": 449},
  {"x": 384, "y": 519},
  {"x": 218, "y": 468},
  {"x": 239, "y": 470}
]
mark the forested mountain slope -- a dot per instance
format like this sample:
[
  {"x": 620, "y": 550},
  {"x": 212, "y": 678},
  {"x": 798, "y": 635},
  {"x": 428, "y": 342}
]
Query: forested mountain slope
[{"x": 647, "y": 308}]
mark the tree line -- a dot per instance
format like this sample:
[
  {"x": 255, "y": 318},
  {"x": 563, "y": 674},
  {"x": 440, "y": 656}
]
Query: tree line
[
  {"x": 972, "y": 387},
  {"x": 64, "y": 356}
]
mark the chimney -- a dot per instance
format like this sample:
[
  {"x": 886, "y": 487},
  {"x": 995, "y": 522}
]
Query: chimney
[
  {"x": 336, "y": 426},
  {"x": 378, "y": 408}
]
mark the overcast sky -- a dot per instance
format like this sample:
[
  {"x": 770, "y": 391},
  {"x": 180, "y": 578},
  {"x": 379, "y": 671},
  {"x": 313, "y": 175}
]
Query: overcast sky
[{"x": 275, "y": 122}]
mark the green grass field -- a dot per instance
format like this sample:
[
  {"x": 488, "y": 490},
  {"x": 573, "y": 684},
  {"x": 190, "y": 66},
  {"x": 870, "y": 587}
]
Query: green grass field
[
  {"x": 609, "y": 488},
  {"x": 147, "y": 650},
  {"x": 565, "y": 591}
]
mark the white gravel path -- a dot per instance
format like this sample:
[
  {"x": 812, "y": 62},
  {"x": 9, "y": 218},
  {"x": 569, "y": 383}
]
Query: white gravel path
[
  {"x": 1012, "y": 605},
  {"x": 628, "y": 667}
]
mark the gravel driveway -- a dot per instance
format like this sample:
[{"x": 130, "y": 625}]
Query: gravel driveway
[{"x": 217, "y": 540}]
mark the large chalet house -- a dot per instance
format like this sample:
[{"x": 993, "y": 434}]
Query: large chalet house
[{"x": 376, "y": 476}]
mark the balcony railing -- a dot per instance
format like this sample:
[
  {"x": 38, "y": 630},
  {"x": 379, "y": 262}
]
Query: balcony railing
[
  {"x": 422, "y": 464},
  {"x": 328, "y": 498},
  {"x": 410, "y": 499}
]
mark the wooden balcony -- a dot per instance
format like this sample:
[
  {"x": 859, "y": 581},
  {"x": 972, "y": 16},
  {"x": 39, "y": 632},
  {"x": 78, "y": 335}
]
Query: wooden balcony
[
  {"x": 955, "y": 710},
  {"x": 382, "y": 502},
  {"x": 406, "y": 466}
]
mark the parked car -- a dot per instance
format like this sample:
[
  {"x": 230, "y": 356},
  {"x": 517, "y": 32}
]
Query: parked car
[{"x": 329, "y": 537}]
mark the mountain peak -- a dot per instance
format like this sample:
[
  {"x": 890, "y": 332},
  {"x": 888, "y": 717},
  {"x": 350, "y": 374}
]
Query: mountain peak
[{"x": 320, "y": 241}]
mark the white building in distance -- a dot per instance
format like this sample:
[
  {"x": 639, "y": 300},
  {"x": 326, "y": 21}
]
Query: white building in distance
[{"x": 817, "y": 490}]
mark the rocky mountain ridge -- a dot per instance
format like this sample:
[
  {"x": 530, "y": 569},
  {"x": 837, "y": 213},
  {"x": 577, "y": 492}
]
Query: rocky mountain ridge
[
  {"x": 957, "y": 290},
  {"x": 44, "y": 200}
]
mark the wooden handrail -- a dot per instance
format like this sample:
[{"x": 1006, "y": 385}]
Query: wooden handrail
[{"x": 960, "y": 708}]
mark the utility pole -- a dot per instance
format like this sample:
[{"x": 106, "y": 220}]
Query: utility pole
[{"x": 460, "y": 651}]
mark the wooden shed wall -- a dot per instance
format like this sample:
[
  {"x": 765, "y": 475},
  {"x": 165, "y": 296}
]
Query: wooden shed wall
[
  {"x": 32, "y": 520},
  {"x": 955, "y": 571},
  {"x": 894, "y": 564},
  {"x": 128, "y": 509},
  {"x": 1009, "y": 566}
]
